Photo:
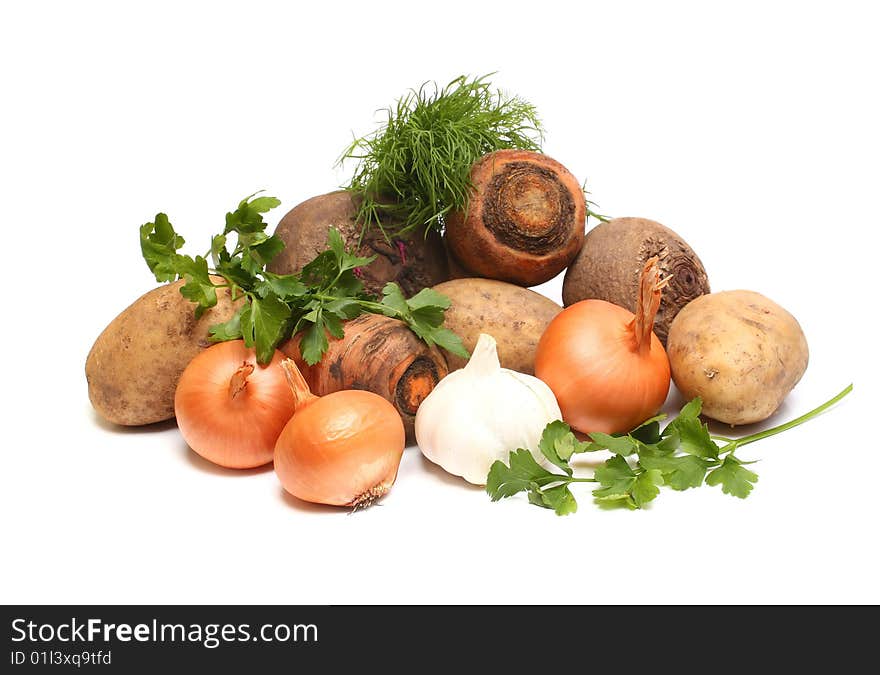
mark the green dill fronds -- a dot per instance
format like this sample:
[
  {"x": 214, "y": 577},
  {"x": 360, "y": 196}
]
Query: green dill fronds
[{"x": 416, "y": 167}]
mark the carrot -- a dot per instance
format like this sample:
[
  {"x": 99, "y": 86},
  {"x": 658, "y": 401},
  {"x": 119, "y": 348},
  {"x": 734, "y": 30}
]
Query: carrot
[{"x": 377, "y": 354}]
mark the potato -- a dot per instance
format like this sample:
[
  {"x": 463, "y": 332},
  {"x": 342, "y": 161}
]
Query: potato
[
  {"x": 134, "y": 365},
  {"x": 740, "y": 352},
  {"x": 515, "y": 316}
]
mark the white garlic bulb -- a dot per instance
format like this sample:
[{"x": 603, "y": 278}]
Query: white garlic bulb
[{"x": 481, "y": 413}]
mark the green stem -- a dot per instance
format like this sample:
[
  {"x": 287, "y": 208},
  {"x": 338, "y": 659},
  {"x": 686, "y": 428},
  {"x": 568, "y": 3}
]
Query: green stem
[
  {"x": 338, "y": 277},
  {"x": 564, "y": 479},
  {"x": 795, "y": 422},
  {"x": 375, "y": 306},
  {"x": 598, "y": 216},
  {"x": 722, "y": 438}
]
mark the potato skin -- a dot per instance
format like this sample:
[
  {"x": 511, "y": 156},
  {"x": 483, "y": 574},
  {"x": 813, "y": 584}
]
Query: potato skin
[
  {"x": 740, "y": 352},
  {"x": 515, "y": 316},
  {"x": 419, "y": 263},
  {"x": 133, "y": 368}
]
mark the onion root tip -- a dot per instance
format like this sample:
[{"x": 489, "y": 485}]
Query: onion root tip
[{"x": 368, "y": 498}]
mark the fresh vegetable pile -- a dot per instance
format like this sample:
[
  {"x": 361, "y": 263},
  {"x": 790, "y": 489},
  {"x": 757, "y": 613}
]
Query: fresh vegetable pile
[{"x": 329, "y": 344}]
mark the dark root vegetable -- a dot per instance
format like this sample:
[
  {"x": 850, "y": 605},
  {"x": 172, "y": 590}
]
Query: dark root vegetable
[
  {"x": 377, "y": 354},
  {"x": 525, "y": 220},
  {"x": 613, "y": 256},
  {"x": 415, "y": 261}
]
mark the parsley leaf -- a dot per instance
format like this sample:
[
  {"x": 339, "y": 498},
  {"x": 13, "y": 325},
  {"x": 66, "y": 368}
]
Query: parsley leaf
[
  {"x": 248, "y": 217},
  {"x": 393, "y": 300},
  {"x": 218, "y": 249},
  {"x": 448, "y": 340},
  {"x": 228, "y": 330},
  {"x": 231, "y": 269},
  {"x": 620, "y": 445},
  {"x": 198, "y": 286},
  {"x": 523, "y": 474},
  {"x": 558, "y": 498},
  {"x": 694, "y": 438},
  {"x": 423, "y": 313},
  {"x": 314, "y": 342},
  {"x": 428, "y": 298},
  {"x": 734, "y": 479},
  {"x": 693, "y": 435},
  {"x": 648, "y": 431},
  {"x": 555, "y": 433},
  {"x": 159, "y": 245},
  {"x": 333, "y": 324},
  {"x": 263, "y": 252},
  {"x": 679, "y": 473},
  {"x": 646, "y": 487},
  {"x": 285, "y": 286},
  {"x": 264, "y": 325},
  {"x": 558, "y": 444},
  {"x": 545, "y": 488},
  {"x": 344, "y": 308},
  {"x": 622, "y": 484},
  {"x": 617, "y": 480}
]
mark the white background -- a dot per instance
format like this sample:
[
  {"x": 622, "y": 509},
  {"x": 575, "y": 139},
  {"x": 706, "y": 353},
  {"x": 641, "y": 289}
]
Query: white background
[{"x": 751, "y": 130}]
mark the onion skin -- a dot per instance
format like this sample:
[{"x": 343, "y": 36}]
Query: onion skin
[
  {"x": 601, "y": 384},
  {"x": 343, "y": 449},
  {"x": 235, "y": 431},
  {"x": 605, "y": 365},
  {"x": 525, "y": 220}
]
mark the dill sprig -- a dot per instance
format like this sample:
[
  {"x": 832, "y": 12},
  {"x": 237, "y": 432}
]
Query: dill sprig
[{"x": 416, "y": 167}]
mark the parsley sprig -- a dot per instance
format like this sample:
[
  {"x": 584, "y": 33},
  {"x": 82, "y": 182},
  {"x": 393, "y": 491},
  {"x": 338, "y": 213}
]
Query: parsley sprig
[
  {"x": 316, "y": 301},
  {"x": 681, "y": 456}
]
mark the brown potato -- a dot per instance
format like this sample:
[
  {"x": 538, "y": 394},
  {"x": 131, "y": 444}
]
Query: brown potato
[
  {"x": 133, "y": 368},
  {"x": 515, "y": 316},
  {"x": 740, "y": 352}
]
